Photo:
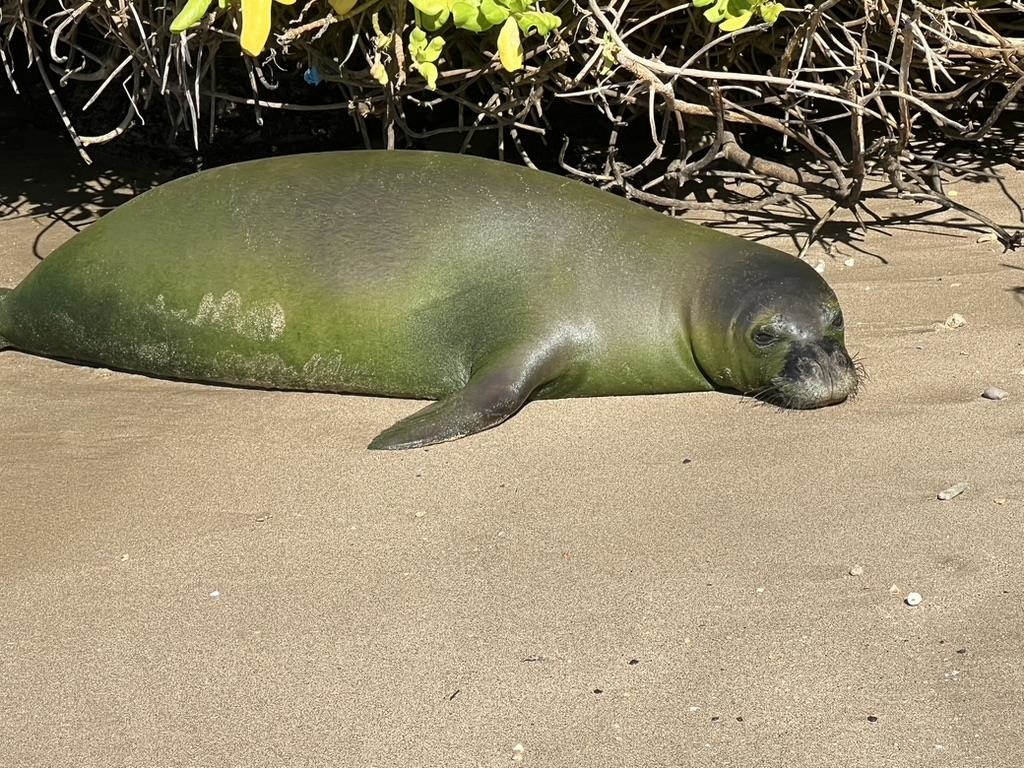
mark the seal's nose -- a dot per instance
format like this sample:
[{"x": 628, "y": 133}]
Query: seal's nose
[{"x": 817, "y": 374}]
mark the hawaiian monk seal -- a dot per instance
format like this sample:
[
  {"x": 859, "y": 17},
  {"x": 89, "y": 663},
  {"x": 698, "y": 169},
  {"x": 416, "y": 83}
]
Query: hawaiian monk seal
[{"x": 423, "y": 275}]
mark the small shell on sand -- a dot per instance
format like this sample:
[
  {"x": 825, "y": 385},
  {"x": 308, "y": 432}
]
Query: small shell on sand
[
  {"x": 995, "y": 393},
  {"x": 857, "y": 570},
  {"x": 956, "y": 320},
  {"x": 953, "y": 491},
  {"x": 913, "y": 598}
]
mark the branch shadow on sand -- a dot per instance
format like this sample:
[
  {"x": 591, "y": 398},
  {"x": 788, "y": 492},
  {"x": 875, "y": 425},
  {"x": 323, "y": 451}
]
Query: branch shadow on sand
[
  {"x": 977, "y": 174},
  {"x": 44, "y": 179},
  {"x": 1017, "y": 290}
]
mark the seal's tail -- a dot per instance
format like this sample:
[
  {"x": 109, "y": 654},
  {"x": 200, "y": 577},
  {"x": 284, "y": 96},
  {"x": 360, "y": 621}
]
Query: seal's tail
[{"x": 5, "y": 321}]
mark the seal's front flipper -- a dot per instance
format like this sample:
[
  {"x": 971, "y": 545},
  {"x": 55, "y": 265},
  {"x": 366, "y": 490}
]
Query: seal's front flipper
[
  {"x": 448, "y": 419},
  {"x": 495, "y": 391}
]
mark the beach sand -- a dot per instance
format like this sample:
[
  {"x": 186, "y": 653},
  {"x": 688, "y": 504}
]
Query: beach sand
[{"x": 201, "y": 576}]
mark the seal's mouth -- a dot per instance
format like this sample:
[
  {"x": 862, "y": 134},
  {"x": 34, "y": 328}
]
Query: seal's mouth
[{"x": 815, "y": 375}]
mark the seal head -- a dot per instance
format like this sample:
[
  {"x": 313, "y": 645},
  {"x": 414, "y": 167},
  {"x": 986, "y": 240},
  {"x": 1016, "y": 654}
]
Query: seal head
[{"x": 783, "y": 334}]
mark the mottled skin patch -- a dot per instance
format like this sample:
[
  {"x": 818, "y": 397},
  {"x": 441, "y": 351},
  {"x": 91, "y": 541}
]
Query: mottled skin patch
[{"x": 430, "y": 276}]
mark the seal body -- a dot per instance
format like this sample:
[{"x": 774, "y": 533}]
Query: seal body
[{"x": 424, "y": 275}]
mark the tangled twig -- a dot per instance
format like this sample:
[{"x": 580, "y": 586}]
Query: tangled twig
[{"x": 681, "y": 115}]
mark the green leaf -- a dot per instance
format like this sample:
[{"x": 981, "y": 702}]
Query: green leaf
[
  {"x": 733, "y": 15},
  {"x": 770, "y": 12},
  {"x": 432, "y": 23},
  {"x": 542, "y": 21},
  {"x": 510, "y": 47},
  {"x": 342, "y": 7},
  {"x": 609, "y": 54},
  {"x": 736, "y": 22},
  {"x": 493, "y": 12},
  {"x": 433, "y": 51},
  {"x": 255, "y": 26},
  {"x": 466, "y": 15},
  {"x": 478, "y": 15},
  {"x": 190, "y": 15},
  {"x": 431, "y": 7},
  {"x": 423, "y": 51},
  {"x": 716, "y": 13},
  {"x": 429, "y": 72}
]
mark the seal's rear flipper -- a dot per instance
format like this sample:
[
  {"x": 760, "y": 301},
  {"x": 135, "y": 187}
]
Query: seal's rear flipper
[{"x": 494, "y": 392}]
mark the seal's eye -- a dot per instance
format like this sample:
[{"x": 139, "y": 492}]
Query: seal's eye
[
  {"x": 837, "y": 321},
  {"x": 765, "y": 337}
]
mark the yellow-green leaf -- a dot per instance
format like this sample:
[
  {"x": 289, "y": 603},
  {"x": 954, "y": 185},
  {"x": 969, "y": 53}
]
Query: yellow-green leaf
[
  {"x": 429, "y": 72},
  {"x": 770, "y": 12},
  {"x": 190, "y": 15},
  {"x": 422, "y": 50},
  {"x": 542, "y": 21},
  {"x": 495, "y": 13},
  {"x": 466, "y": 15},
  {"x": 609, "y": 51},
  {"x": 433, "y": 50},
  {"x": 255, "y": 25},
  {"x": 736, "y": 22},
  {"x": 433, "y": 22},
  {"x": 431, "y": 7},
  {"x": 510, "y": 47},
  {"x": 715, "y": 13},
  {"x": 341, "y": 7}
]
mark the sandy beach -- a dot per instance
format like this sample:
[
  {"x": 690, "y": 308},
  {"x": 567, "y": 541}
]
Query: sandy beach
[{"x": 211, "y": 577}]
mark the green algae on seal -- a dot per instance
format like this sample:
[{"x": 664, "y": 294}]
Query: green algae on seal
[{"x": 423, "y": 275}]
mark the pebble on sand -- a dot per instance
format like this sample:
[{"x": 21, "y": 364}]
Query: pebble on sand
[
  {"x": 995, "y": 393},
  {"x": 913, "y": 598},
  {"x": 857, "y": 570}
]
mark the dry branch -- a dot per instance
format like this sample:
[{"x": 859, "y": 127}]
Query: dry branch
[{"x": 817, "y": 105}]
